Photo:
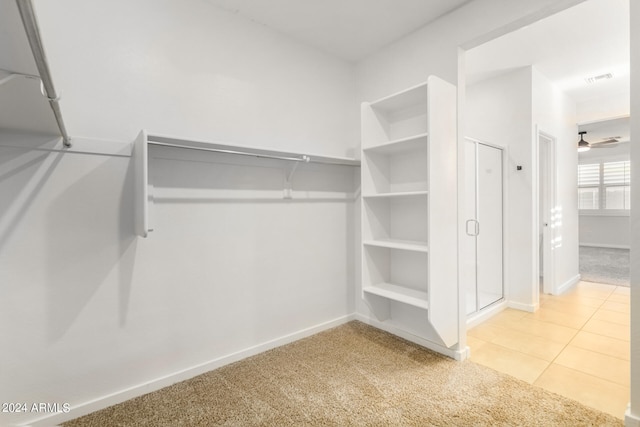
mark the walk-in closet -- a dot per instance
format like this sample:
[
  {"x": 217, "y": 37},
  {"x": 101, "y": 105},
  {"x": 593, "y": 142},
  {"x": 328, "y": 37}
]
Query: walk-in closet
[{"x": 285, "y": 212}]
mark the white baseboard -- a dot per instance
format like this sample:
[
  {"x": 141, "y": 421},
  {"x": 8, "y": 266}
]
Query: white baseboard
[
  {"x": 631, "y": 420},
  {"x": 604, "y": 245},
  {"x": 531, "y": 308},
  {"x": 185, "y": 374},
  {"x": 567, "y": 285},
  {"x": 454, "y": 354},
  {"x": 484, "y": 314}
]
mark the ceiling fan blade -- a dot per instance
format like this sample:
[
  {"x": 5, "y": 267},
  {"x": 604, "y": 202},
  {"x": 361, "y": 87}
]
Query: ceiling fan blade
[{"x": 607, "y": 143}]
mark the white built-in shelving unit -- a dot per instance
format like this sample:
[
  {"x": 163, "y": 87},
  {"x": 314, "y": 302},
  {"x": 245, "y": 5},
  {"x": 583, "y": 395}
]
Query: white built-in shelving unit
[{"x": 409, "y": 207}]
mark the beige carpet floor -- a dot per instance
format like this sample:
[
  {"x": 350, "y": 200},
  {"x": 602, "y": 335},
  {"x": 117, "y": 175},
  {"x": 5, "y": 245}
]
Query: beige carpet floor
[{"x": 352, "y": 375}]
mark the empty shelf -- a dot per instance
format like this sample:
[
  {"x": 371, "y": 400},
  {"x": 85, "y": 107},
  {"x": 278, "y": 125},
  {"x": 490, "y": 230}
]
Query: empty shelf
[
  {"x": 412, "y": 97},
  {"x": 399, "y": 145},
  {"x": 399, "y": 293},
  {"x": 177, "y": 142},
  {"x": 398, "y": 194},
  {"x": 407, "y": 245}
]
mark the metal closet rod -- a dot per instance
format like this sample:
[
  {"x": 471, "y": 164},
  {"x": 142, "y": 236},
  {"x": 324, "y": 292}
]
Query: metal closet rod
[
  {"x": 305, "y": 159},
  {"x": 35, "y": 41}
]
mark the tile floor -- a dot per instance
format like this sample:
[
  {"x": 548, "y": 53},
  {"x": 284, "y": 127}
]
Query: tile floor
[{"x": 576, "y": 345}]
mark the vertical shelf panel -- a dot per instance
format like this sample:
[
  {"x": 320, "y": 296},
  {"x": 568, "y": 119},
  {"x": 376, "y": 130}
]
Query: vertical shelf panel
[
  {"x": 141, "y": 174},
  {"x": 443, "y": 290}
]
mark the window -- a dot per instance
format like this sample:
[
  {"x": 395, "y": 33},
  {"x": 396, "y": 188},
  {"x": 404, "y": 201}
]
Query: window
[
  {"x": 616, "y": 179},
  {"x": 589, "y": 186},
  {"x": 604, "y": 187}
]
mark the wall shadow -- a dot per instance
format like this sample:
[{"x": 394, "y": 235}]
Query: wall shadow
[{"x": 89, "y": 243}]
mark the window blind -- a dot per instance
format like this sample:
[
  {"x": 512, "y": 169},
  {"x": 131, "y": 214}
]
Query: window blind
[
  {"x": 616, "y": 173},
  {"x": 589, "y": 175}
]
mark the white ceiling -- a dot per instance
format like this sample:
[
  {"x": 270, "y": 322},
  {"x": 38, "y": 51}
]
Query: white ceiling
[
  {"x": 618, "y": 128},
  {"x": 349, "y": 29},
  {"x": 586, "y": 40},
  {"x": 589, "y": 39}
]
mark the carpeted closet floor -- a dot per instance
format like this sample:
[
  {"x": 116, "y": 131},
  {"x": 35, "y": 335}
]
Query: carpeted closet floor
[{"x": 352, "y": 375}]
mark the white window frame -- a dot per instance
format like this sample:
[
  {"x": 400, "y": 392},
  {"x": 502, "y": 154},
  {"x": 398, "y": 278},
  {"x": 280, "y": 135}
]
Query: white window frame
[{"x": 602, "y": 189}]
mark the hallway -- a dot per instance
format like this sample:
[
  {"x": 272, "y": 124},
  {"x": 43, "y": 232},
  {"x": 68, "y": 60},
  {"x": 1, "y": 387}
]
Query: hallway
[{"x": 576, "y": 345}]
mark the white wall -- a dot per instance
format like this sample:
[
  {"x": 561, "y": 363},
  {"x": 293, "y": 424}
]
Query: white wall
[
  {"x": 499, "y": 111},
  {"x": 633, "y": 413},
  {"x": 604, "y": 231},
  {"x": 554, "y": 113},
  {"x": 187, "y": 68},
  {"x": 88, "y": 311}
]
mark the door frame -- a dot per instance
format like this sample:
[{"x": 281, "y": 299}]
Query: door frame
[
  {"x": 552, "y": 215},
  {"x": 480, "y": 315}
]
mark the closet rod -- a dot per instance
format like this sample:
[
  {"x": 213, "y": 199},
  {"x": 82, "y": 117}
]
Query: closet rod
[
  {"x": 305, "y": 159},
  {"x": 33, "y": 35}
]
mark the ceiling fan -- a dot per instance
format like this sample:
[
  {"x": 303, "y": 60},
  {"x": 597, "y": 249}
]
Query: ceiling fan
[{"x": 605, "y": 143}]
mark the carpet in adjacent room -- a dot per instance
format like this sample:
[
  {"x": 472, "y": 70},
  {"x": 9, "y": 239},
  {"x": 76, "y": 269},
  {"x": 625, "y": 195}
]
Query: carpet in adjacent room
[{"x": 604, "y": 265}]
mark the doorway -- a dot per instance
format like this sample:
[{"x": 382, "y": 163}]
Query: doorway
[{"x": 549, "y": 215}]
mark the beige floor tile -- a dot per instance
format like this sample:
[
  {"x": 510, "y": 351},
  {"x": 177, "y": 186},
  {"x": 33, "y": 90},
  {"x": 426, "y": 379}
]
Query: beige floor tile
[
  {"x": 597, "y": 364},
  {"x": 591, "y": 286},
  {"x": 523, "y": 366},
  {"x": 602, "y": 344},
  {"x": 591, "y": 364},
  {"x": 592, "y": 290},
  {"x": 622, "y": 290},
  {"x": 581, "y": 299},
  {"x": 568, "y": 306},
  {"x": 620, "y": 298},
  {"x": 546, "y": 296},
  {"x": 590, "y": 293},
  {"x": 574, "y": 321},
  {"x": 609, "y": 329},
  {"x": 592, "y": 391},
  {"x": 538, "y": 328},
  {"x": 485, "y": 331},
  {"x": 475, "y": 343},
  {"x": 532, "y": 345},
  {"x": 508, "y": 315},
  {"x": 616, "y": 306},
  {"x": 612, "y": 316}
]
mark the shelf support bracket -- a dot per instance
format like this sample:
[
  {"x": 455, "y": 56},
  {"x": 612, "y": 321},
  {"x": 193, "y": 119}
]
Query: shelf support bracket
[{"x": 288, "y": 179}]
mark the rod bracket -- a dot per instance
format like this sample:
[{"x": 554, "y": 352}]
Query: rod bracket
[{"x": 288, "y": 179}]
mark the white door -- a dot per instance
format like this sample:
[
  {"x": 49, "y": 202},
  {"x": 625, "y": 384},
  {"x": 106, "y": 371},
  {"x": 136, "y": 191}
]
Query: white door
[
  {"x": 484, "y": 212},
  {"x": 547, "y": 213}
]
